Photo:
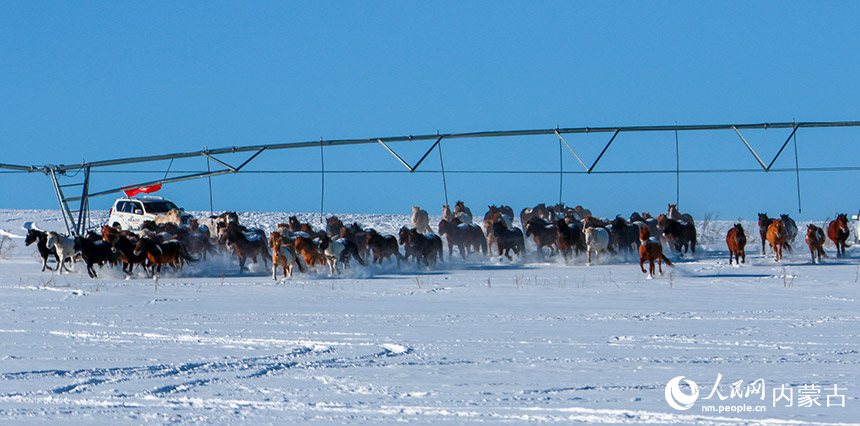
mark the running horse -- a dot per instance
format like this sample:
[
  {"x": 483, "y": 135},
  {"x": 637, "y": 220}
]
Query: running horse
[
  {"x": 40, "y": 237},
  {"x": 778, "y": 238},
  {"x": 167, "y": 253},
  {"x": 837, "y": 231},
  {"x": 815, "y": 240},
  {"x": 763, "y": 223},
  {"x": 464, "y": 236},
  {"x": 736, "y": 240},
  {"x": 650, "y": 250},
  {"x": 246, "y": 247}
]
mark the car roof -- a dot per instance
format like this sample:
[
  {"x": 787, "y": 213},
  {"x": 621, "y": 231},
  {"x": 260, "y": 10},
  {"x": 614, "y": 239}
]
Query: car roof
[{"x": 144, "y": 198}]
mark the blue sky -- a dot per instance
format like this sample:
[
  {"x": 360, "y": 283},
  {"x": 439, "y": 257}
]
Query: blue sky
[{"x": 99, "y": 80}]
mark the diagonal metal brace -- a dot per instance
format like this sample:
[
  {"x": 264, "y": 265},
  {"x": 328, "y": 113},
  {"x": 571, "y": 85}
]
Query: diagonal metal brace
[
  {"x": 233, "y": 169},
  {"x": 412, "y": 169},
  {"x": 395, "y": 154},
  {"x": 783, "y": 147},
  {"x": 752, "y": 150},
  {"x": 571, "y": 150},
  {"x": 402, "y": 161},
  {"x": 604, "y": 150}
]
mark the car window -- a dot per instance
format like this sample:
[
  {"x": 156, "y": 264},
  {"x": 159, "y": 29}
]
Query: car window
[
  {"x": 159, "y": 206},
  {"x": 138, "y": 208},
  {"x": 125, "y": 207}
]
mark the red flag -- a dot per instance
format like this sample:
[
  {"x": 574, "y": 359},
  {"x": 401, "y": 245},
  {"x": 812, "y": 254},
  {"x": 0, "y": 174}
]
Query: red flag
[{"x": 142, "y": 189}]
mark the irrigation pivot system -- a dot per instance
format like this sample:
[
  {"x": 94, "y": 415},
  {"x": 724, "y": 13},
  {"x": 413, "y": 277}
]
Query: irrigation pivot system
[{"x": 76, "y": 219}]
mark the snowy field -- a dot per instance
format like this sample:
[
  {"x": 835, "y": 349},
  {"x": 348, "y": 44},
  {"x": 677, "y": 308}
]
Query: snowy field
[{"x": 477, "y": 341}]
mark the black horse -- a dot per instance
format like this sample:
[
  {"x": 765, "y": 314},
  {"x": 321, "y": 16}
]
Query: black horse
[
  {"x": 679, "y": 234},
  {"x": 508, "y": 239},
  {"x": 39, "y": 237},
  {"x": 93, "y": 252}
]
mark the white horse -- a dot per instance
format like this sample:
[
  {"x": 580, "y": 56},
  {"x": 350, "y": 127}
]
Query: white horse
[
  {"x": 65, "y": 248},
  {"x": 596, "y": 240},
  {"x": 421, "y": 220},
  {"x": 174, "y": 216}
]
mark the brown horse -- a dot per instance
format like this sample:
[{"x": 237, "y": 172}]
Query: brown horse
[
  {"x": 245, "y": 247},
  {"x": 736, "y": 239},
  {"x": 539, "y": 211},
  {"x": 570, "y": 239},
  {"x": 167, "y": 253},
  {"x": 383, "y": 247},
  {"x": 544, "y": 234},
  {"x": 283, "y": 255},
  {"x": 763, "y": 223},
  {"x": 593, "y": 222},
  {"x": 837, "y": 231},
  {"x": 295, "y": 224},
  {"x": 675, "y": 215},
  {"x": 651, "y": 250},
  {"x": 333, "y": 226},
  {"x": 815, "y": 240},
  {"x": 464, "y": 236},
  {"x": 309, "y": 251},
  {"x": 126, "y": 246},
  {"x": 778, "y": 238}
]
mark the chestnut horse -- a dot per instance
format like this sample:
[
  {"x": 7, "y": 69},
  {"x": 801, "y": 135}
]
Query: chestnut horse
[
  {"x": 778, "y": 238},
  {"x": 815, "y": 240},
  {"x": 763, "y": 223},
  {"x": 283, "y": 255},
  {"x": 170, "y": 252},
  {"x": 736, "y": 239},
  {"x": 309, "y": 251},
  {"x": 333, "y": 226},
  {"x": 650, "y": 250},
  {"x": 837, "y": 231},
  {"x": 544, "y": 234}
]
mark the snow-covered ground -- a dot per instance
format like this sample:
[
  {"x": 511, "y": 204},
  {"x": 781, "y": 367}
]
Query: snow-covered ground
[{"x": 477, "y": 341}]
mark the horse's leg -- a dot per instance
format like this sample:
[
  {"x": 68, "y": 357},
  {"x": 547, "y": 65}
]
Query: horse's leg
[{"x": 642, "y": 264}]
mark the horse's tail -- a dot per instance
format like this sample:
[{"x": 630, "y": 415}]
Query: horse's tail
[
  {"x": 666, "y": 259},
  {"x": 183, "y": 252},
  {"x": 483, "y": 241},
  {"x": 358, "y": 258},
  {"x": 298, "y": 262},
  {"x": 788, "y": 247}
]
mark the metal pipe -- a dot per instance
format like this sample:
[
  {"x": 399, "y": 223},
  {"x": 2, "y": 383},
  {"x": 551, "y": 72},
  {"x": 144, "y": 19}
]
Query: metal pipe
[{"x": 483, "y": 134}]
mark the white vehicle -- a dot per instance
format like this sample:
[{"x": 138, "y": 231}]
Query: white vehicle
[
  {"x": 129, "y": 213},
  {"x": 854, "y": 227}
]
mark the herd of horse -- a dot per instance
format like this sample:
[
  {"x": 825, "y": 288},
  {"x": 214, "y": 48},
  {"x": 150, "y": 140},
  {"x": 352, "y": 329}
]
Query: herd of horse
[{"x": 293, "y": 245}]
